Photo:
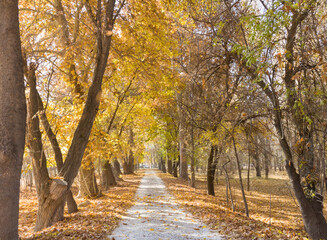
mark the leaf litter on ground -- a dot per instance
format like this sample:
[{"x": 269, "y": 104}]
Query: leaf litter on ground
[
  {"x": 96, "y": 221},
  {"x": 274, "y": 213}
]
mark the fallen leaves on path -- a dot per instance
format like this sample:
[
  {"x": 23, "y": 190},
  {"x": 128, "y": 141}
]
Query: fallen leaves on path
[
  {"x": 274, "y": 214},
  {"x": 95, "y": 221}
]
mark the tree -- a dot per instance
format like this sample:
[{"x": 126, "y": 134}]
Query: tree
[
  {"x": 52, "y": 192},
  {"x": 12, "y": 118}
]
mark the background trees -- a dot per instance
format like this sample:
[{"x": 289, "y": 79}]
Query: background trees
[{"x": 268, "y": 49}]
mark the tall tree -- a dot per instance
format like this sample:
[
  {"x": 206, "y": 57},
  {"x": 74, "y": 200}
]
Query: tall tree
[
  {"x": 12, "y": 118},
  {"x": 52, "y": 192}
]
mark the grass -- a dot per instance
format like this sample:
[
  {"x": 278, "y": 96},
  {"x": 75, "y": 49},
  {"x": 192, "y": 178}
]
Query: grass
[
  {"x": 96, "y": 221},
  {"x": 274, "y": 213}
]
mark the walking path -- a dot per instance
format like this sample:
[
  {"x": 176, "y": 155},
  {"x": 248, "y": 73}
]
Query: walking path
[{"x": 156, "y": 216}]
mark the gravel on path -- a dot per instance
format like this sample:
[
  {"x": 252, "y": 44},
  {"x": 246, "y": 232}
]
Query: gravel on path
[{"x": 156, "y": 216}]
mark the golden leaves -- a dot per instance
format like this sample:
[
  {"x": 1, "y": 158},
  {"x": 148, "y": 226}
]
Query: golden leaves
[
  {"x": 285, "y": 218},
  {"x": 96, "y": 221}
]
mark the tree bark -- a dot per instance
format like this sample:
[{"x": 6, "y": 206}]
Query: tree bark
[
  {"x": 193, "y": 158},
  {"x": 108, "y": 178},
  {"x": 128, "y": 164},
  {"x": 257, "y": 165},
  {"x": 228, "y": 187},
  {"x": 183, "y": 174},
  {"x": 117, "y": 167},
  {"x": 249, "y": 168},
  {"x": 255, "y": 155},
  {"x": 240, "y": 176},
  {"x": 88, "y": 186},
  {"x": 12, "y": 118},
  {"x": 71, "y": 203},
  {"x": 169, "y": 165},
  {"x": 127, "y": 167},
  {"x": 267, "y": 164},
  {"x": 163, "y": 164},
  {"x": 211, "y": 168},
  {"x": 175, "y": 168}
]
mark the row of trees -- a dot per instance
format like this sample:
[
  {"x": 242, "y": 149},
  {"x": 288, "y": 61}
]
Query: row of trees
[
  {"x": 223, "y": 79},
  {"x": 252, "y": 74},
  {"x": 67, "y": 70}
]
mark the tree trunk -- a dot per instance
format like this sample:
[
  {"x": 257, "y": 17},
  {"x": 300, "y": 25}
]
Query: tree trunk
[
  {"x": 211, "y": 168},
  {"x": 193, "y": 158},
  {"x": 228, "y": 187},
  {"x": 50, "y": 192},
  {"x": 88, "y": 186},
  {"x": 175, "y": 168},
  {"x": 311, "y": 208},
  {"x": 71, "y": 204},
  {"x": 127, "y": 168},
  {"x": 267, "y": 166},
  {"x": 323, "y": 169},
  {"x": 255, "y": 156},
  {"x": 117, "y": 167},
  {"x": 128, "y": 164},
  {"x": 183, "y": 174},
  {"x": 163, "y": 165},
  {"x": 108, "y": 178},
  {"x": 12, "y": 119},
  {"x": 117, "y": 177},
  {"x": 257, "y": 167},
  {"x": 249, "y": 167},
  {"x": 169, "y": 165},
  {"x": 240, "y": 177}
]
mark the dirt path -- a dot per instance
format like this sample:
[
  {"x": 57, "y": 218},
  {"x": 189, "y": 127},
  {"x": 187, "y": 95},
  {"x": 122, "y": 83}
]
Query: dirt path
[{"x": 156, "y": 216}]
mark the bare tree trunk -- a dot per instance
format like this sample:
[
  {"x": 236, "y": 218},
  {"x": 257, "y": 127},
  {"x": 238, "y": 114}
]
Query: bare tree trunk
[
  {"x": 128, "y": 164},
  {"x": 169, "y": 162},
  {"x": 257, "y": 164},
  {"x": 267, "y": 161},
  {"x": 249, "y": 167},
  {"x": 88, "y": 186},
  {"x": 323, "y": 166},
  {"x": 12, "y": 118},
  {"x": 228, "y": 187},
  {"x": 49, "y": 191},
  {"x": 170, "y": 165},
  {"x": 240, "y": 177},
  {"x": 71, "y": 203},
  {"x": 127, "y": 168},
  {"x": 211, "y": 168},
  {"x": 108, "y": 178},
  {"x": 117, "y": 167},
  {"x": 175, "y": 168},
  {"x": 163, "y": 164},
  {"x": 192, "y": 158},
  {"x": 183, "y": 174}
]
